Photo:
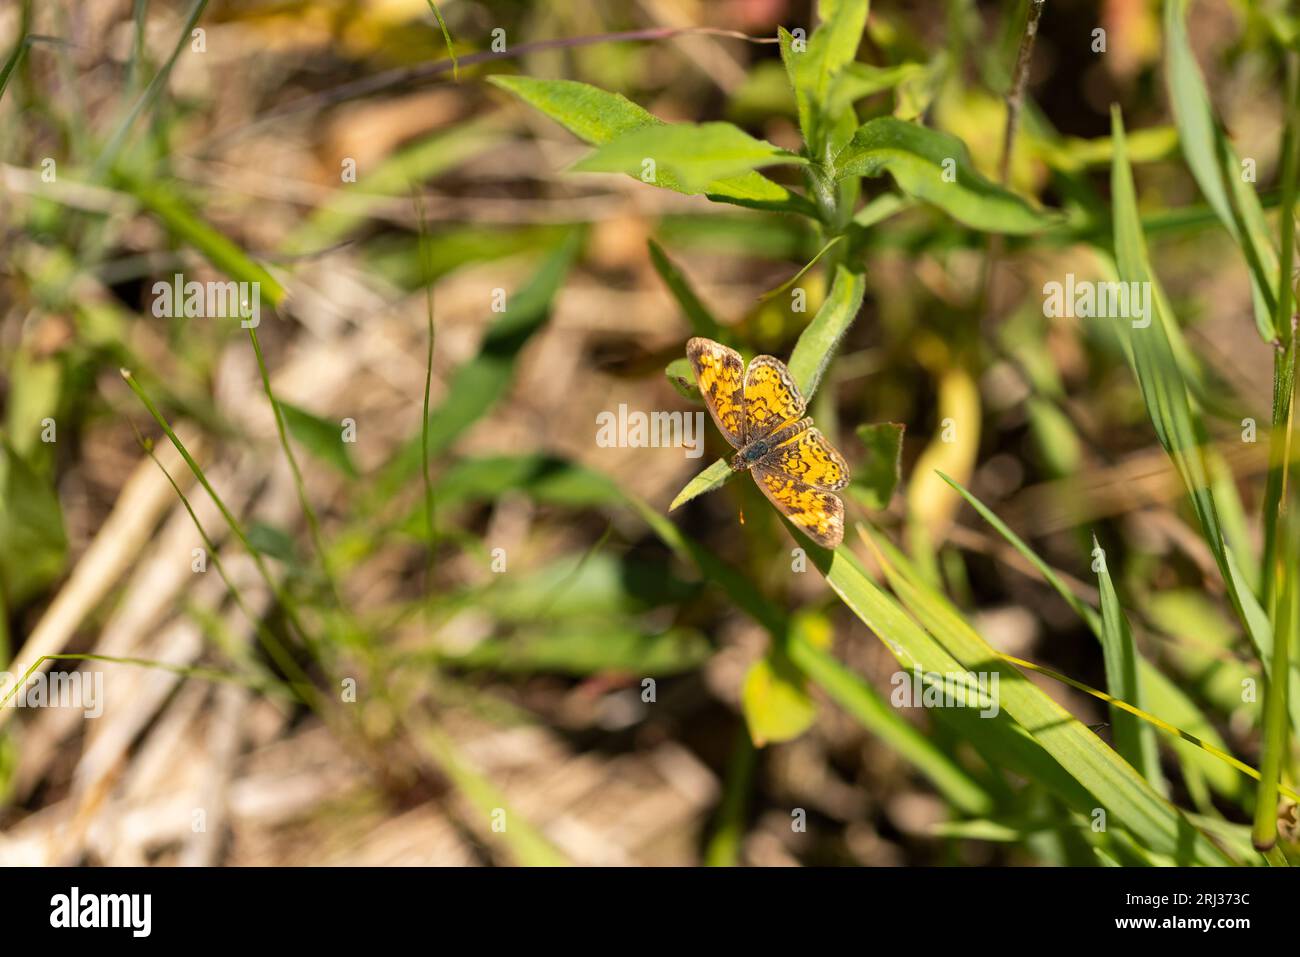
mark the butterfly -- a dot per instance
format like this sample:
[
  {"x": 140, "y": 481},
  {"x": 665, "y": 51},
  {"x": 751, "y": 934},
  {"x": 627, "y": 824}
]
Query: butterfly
[{"x": 760, "y": 412}]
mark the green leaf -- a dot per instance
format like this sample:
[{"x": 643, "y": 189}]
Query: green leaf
[
  {"x": 865, "y": 704},
  {"x": 273, "y": 541},
  {"x": 682, "y": 379},
  {"x": 715, "y": 476},
  {"x": 1131, "y": 802},
  {"x": 775, "y": 701},
  {"x": 817, "y": 343},
  {"x": 877, "y": 475},
  {"x": 880, "y": 209},
  {"x": 324, "y": 439},
  {"x": 773, "y": 293},
  {"x": 185, "y": 225},
  {"x": 859, "y": 80},
  {"x": 1176, "y": 423},
  {"x": 1135, "y": 740},
  {"x": 1215, "y": 166},
  {"x": 588, "y": 112},
  {"x": 598, "y": 117},
  {"x": 1167, "y": 700},
  {"x": 33, "y": 546},
  {"x": 698, "y": 316},
  {"x": 923, "y": 161},
  {"x": 815, "y": 70},
  {"x": 685, "y": 157}
]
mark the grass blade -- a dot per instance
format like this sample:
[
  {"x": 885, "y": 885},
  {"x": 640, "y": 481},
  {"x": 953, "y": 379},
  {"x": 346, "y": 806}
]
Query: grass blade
[{"x": 1135, "y": 741}]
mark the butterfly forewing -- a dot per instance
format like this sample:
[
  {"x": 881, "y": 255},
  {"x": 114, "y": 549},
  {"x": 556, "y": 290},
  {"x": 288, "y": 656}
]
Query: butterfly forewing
[
  {"x": 771, "y": 397},
  {"x": 818, "y": 514},
  {"x": 720, "y": 374},
  {"x": 811, "y": 459}
]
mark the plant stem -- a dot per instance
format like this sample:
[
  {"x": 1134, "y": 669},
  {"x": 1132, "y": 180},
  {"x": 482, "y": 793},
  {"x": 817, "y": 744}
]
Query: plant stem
[
  {"x": 1015, "y": 101},
  {"x": 1282, "y": 564},
  {"x": 313, "y": 523},
  {"x": 1284, "y": 361},
  {"x": 299, "y": 681},
  {"x": 1016, "y": 95},
  {"x": 724, "y": 846},
  {"x": 285, "y": 601}
]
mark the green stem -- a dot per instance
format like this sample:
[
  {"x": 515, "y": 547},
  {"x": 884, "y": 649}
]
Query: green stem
[
  {"x": 1284, "y": 362},
  {"x": 1281, "y": 563},
  {"x": 299, "y": 681},
  {"x": 313, "y": 523},
  {"x": 290, "y": 608},
  {"x": 724, "y": 846}
]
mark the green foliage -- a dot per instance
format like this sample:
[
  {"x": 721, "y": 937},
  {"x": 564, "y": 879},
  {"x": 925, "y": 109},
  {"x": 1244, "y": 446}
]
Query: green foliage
[
  {"x": 321, "y": 437},
  {"x": 935, "y": 167},
  {"x": 1214, "y": 163},
  {"x": 33, "y": 546},
  {"x": 876, "y": 476},
  {"x": 687, "y": 158}
]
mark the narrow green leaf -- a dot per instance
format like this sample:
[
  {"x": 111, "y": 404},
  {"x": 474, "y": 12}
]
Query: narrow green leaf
[
  {"x": 593, "y": 115},
  {"x": 1131, "y": 802},
  {"x": 715, "y": 476},
  {"x": 187, "y": 226},
  {"x": 1167, "y": 700},
  {"x": 476, "y": 386},
  {"x": 1176, "y": 424},
  {"x": 773, "y": 293},
  {"x": 324, "y": 439},
  {"x": 1133, "y": 739},
  {"x": 108, "y": 156},
  {"x": 936, "y": 167},
  {"x": 817, "y": 343},
  {"x": 1215, "y": 166},
  {"x": 685, "y": 157},
  {"x": 880, "y": 209},
  {"x": 700, "y": 319},
  {"x": 581, "y": 648}
]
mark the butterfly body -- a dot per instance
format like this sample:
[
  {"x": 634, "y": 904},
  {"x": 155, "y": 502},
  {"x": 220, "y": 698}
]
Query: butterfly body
[
  {"x": 757, "y": 450},
  {"x": 759, "y": 410}
]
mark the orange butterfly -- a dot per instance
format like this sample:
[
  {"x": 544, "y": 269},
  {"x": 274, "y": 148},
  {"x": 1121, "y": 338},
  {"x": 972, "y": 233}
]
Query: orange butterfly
[{"x": 760, "y": 411}]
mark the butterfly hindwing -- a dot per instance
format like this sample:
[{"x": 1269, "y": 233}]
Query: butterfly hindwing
[
  {"x": 818, "y": 514},
  {"x": 811, "y": 459},
  {"x": 720, "y": 374},
  {"x": 771, "y": 397}
]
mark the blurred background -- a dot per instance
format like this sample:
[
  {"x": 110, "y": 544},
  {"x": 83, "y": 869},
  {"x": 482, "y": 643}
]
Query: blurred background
[{"x": 467, "y": 684}]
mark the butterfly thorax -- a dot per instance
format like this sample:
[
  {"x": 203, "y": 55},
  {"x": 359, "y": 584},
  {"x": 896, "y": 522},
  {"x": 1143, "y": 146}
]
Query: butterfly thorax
[
  {"x": 758, "y": 449},
  {"x": 750, "y": 454}
]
